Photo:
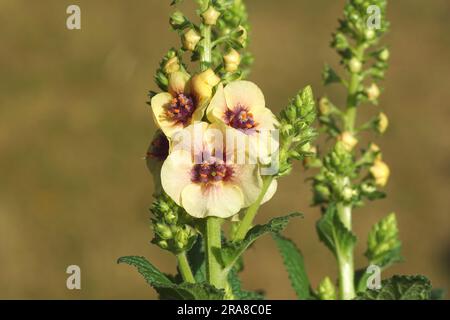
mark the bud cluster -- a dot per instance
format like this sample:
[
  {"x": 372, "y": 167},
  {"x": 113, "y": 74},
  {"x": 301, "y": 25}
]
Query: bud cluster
[
  {"x": 296, "y": 131},
  {"x": 172, "y": 226}
]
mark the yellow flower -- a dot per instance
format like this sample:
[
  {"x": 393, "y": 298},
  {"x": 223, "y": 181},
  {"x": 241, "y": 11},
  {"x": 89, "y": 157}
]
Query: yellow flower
[
  {"x": 241, "y": 106},
  {"x": 348, "y": 140},
  {"x": 199, "y": 176},
  {"x": 185, "y": 102},
  {"x": 380, "y": 172}
]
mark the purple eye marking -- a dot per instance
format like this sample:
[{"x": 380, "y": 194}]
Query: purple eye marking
[
  {"x": 181, "y": 108},
  {"x": 211, "y": 171},
  {"x": 240, "y": 118}
]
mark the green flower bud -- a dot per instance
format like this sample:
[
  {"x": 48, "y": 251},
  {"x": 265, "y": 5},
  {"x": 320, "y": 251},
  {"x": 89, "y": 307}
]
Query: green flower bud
[
  {"x": 384, "y": 55},
  {"x": 178, "y": 20},
  {"x": 355, "y": 65},
  {"x": 190, "y": 40},
  {"x": 326, "y": 290},
  {"x": 369, "y": 34},
  {"x": 163, "y": 244},
  {"x": 163, "y": 231},
  {"x": 324, "y": 106},
  {"x": 210, "y": 16},
  {"x": 321, "y": 193},
  {"x": 347, "y": 193}
]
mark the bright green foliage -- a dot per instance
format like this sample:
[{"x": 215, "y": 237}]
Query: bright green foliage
[
  {"x": 169, "y": 290},
  {"x": 400, "y": 288},
  {"x": 233, "y": 250},
  {"x": 383, "y": 244},
  {"x": 334, "y": 234},
  {"x": 295, "y": 266}
]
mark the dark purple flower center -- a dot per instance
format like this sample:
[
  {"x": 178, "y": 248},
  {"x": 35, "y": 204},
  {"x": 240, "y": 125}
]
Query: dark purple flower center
[
  {"x": 240, "y": 118},
  {"x": 181, "y": 108},
  {"x": 211, "y": 171},
  {"x": 159, "y": 148}
]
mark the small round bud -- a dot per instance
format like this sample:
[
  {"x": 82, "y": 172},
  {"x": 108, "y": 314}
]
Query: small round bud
[
  {"x": 163, "y": 244},
  {"x": 232, "y": 60},
  {"x": 210, "y": 16},
  {"x": 369, "y": 34},
  {"x": 384, "y": 55},
  {"x": 163, "y": 231},
  {"x": 177, "y": 19},
  {"x": 382, "y": 123},
  {"x": 380, "y": 172},
  {"x": 373, "y": 92},
  {"x": 190, "y": 40},
  {"x": 204, "y": 82},
  {"x": 321, "y": 192},
  {"x": 348, "y": 140},
  {"x": 172, "y": 65},
  {"x": 355, "y": 65},
  {"x": 324, "y": 106},
  {"x": 347, "y": 193}
]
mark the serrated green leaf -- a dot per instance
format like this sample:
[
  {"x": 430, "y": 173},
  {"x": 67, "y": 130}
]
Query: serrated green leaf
[
  {"x": 400, "y": 288},
  {"x": 166, "y": 288},
  {"x": 295, "y": 266},
  {"x": 196, "y": 257},
  {"x": 231, "y": 252},
  {"x": 236, "y": 288},
  {"x": 383, "y": 244},
  {"x": 334, "y": 234}
]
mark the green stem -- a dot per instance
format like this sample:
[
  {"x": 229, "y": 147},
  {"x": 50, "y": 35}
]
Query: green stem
[
  {"x": 251, "y": 212},
  {"x": 185, "y": 268},
  {"x": 213, "y": 245},
  {"x": 345, "y": 259},
  {"x": 206, "y": 55},
  {"x": 352, "y": 103}
]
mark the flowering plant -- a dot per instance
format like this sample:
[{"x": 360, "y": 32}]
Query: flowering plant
[
  {"x": 219, "y": 152},
  {"x": 217, "y": 155}
]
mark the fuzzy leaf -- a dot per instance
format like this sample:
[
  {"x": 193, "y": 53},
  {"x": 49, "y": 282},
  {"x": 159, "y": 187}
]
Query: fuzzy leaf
[
  {"x": 196, "y": 257},
  {"x": 400, "y": 288},
  {"x": 166, "y": 288},
  {"x": 236, "y": 288},
  {"x": 333, "y": 233},
  {"x": 295, "y": 266},
  {"x": 231, "y": 252}
]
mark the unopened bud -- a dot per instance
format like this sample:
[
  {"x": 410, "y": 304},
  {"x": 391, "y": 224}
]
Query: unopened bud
[
  {"x": 326, "y": 290},
  {"x": 210, "y": 16},
  {"x": 324, "y": 106},
  {"x": 369, "y": 34},
  {"x": 172, "y": 65},
  {"x": 243, "y": 37},
  {"x": 163, "y": 231},
  {"x": 373, "y": 92},
  {"x": 348, "y": 140},
  {"x": 382, "y": 123},
  {"x": 380, "y": 172},
  {"x": 191, "y": 39},
  {"x": 384, "y": 55},
  {"x": 204, "y": 83},
  {"x": 232, "y": 60},
  {"x": 355, "y": 65}
]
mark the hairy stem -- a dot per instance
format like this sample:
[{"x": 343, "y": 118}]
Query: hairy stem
[
  {"x": 213, "y": 245},
  {"x": 206, "y": 54},
  {"x": 185, "y": 268},
  {"x": 354, "y": 83},
  {"x": 345, "y": 259},
  {"x": 251, "y": 212}
]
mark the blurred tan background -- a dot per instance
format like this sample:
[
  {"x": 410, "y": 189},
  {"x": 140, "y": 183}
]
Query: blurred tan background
[{"x": 74, "y": 127}]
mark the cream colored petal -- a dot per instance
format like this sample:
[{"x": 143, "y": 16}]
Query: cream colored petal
[
  {"x": 247, "y": 177},
  {"x": 265, "y": 119},
  {"x": 246, "y": 94},
  {"x": 271, "y": 191},
  {"x": 218, "y": 106},
  {"x": 177, "y": 82},
  {"x": 218, "y": 200},
  {"x": 176, "y": 174},
  {"x": 159, "y": 105}
]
